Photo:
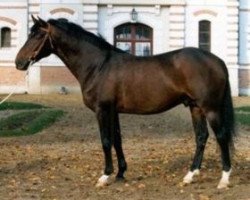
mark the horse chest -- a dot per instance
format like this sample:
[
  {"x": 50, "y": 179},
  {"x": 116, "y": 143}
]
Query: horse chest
[
  {"x": 92, "y": 98},
  {"x": 89, "y": 98}
]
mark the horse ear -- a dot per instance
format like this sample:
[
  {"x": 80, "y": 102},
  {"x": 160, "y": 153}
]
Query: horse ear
[
  {"x": 42, "y": 23},
  {"x": 34, "y": 19}
]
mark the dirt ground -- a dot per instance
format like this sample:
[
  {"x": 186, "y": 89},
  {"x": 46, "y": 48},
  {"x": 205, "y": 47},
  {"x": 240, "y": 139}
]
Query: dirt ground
[{"x": 65, "y": 160}]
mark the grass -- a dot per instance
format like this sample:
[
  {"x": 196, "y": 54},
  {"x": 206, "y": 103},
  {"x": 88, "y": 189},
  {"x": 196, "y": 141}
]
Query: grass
[
  {"x": 31, "y": 122},
  {"x": 28, "y": 123},
  {"x": 243, "y": 119},
  {"x": 243, "y": 109},
  {"x": 242, "y": 115},
  {"x": 20, "y": 106}
]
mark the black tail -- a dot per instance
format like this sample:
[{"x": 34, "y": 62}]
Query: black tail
[{"x": 227, "y": 114}]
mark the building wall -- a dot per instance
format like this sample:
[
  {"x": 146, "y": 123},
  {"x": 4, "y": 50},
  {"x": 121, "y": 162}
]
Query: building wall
[
  {"x": 110, "y": 16},
  {"x": 244, "y": 50},
  {"x": 13, "y": 14},
  {"x": 224, "y": 41},
  {"x": 174, "y": 24}
]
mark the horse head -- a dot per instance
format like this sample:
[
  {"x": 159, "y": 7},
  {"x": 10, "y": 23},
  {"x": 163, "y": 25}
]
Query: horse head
[{"x": 38, "y": 45}]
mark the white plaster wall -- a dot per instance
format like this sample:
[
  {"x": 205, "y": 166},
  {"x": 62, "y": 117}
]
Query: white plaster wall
[
  {"x": 18, "y": 37},
  {"x": 244, "y": 52},
  {"x": 244, "y": 4},
  {"x": 221, "y": 38},
  {"x": 154, "y": 16},
  {"x": 20, "y": 16},
  {"x": 244, "y": 30},
  {"x": 234, "y": 80},
  {"x": 176, "y": 27},
  {"x": 206, "y": 2},
  {"x": 62, "y": 1},
  {"x": 45, "y": 13},
  {"x": 34, "y": 79},
  {"x": 218, "y": 33},
  {"x": 244, "y": 41}
]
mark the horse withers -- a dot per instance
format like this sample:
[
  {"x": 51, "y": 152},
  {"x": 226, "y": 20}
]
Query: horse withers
[{"x": 113, "y": 82}]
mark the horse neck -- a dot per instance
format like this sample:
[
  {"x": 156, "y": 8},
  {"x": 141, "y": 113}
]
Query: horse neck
[{"x": 77, "y": 55}]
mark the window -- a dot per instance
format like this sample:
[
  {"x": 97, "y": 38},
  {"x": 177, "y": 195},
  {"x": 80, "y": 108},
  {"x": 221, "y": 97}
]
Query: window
[
  {"x": 5, "y": 37},
  {"x": 134, "y": 38},
  {"x": 205, "y": 35}
]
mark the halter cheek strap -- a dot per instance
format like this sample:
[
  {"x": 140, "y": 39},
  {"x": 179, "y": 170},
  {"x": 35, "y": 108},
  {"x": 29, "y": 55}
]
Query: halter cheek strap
[
  {"x": 47, "y": 36},
  {"x": 48, "y": 31}
]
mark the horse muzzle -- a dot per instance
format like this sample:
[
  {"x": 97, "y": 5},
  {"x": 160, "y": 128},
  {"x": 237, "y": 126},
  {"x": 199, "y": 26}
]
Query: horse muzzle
[{"x": 23, "y": 64}]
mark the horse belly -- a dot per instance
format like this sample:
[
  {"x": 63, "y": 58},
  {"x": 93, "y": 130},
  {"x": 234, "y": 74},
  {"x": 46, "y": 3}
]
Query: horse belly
[
  {"x": 148, "y": 102},
  {"x": 146, "y": 89}
]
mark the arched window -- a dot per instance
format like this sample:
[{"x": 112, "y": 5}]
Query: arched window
[
  {"x": 134, "y": 38},
  {"x": 205, "y": 35},
  {"x": 5, "y": 37}
]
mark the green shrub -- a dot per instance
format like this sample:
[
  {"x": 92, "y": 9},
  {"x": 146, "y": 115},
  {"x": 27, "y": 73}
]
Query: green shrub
[
  {"x": 27, "y": 123},
  {"x": 20, "y": 106},
  {"x": 243, "y": 115},
  {"x": 243, "y": 118}
]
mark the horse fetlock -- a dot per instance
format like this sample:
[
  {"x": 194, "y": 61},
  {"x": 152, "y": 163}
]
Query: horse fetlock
[
  {"x": 109, "y": 170},
  {"x": 103, "y": 181},
  {"x": 119, "y": 178},
  {"x": 224, "y": 181},
  {"x": 122, "y": 166}
]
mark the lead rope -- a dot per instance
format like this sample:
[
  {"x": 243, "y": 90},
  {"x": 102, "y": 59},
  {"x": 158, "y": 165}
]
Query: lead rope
[{"x": 13, "y": 91}]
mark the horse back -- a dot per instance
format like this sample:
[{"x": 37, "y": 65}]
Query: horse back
[{"x": 142, "y": 85}]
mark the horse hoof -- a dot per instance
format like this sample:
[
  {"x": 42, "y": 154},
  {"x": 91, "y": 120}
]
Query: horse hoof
[
  {"x": 189, "y": 177},
  {"x": 120, "y": 179},
  {"x": 187, "y": 180},
  {"x": 223, "y": 185},
  {"x": 103, "y": 181}
]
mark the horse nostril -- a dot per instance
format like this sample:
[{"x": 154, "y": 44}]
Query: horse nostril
[{"x": 21, "y": 64}]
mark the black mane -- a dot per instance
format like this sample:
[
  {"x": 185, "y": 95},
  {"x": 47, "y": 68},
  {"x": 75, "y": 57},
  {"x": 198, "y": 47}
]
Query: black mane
[{"x": 80, "y": 33}]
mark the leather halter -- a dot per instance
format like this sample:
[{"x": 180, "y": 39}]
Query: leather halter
[{"x": 46, "y": 37}]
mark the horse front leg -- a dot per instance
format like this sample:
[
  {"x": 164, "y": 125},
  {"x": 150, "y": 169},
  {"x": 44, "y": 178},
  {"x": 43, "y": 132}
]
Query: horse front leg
[
  {"x": 122, "y": 165},
  {"x": 105, "y": 117},
  {"x": 201, "y": 135}
]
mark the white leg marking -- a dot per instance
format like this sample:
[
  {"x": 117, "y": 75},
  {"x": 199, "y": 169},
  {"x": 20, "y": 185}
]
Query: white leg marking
[
  {"x": 189, "y": 177},
  {"x": 224, "y": 181},
  {"x": 104, "y": 180}
]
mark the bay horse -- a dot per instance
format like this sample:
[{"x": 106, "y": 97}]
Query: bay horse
[{"x": 113, "y": 81}]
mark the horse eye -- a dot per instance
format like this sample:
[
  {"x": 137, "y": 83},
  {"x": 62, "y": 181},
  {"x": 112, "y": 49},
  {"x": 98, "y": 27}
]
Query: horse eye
[
  {"x": 31, "y": 34},
  {"x": 39, "y": 35}
]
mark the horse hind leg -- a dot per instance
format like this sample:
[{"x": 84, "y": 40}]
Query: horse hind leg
[
  {"x": 223, "y": 139},
  {"x": 201, "y": 135}
]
